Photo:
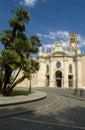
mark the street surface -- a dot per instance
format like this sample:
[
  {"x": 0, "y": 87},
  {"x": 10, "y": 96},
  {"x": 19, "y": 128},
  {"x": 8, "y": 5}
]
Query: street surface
[{"x": 67, "y": 114}]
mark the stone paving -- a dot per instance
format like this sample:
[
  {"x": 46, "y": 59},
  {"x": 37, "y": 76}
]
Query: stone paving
[
  {"x": 16, "y": 124},
  {"x": 19, "y": 105},
  {"x": 66, "y": 113}
]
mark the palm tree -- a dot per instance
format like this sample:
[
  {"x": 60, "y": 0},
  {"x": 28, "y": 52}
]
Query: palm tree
[{"x": 16, "y": 54}]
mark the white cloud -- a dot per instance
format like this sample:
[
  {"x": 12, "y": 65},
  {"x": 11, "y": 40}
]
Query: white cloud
[
  {"x": 81, "y": 40},
  {"x": 39, "y": 35},
  {"x": 52, "y": 35},
  {"x": 49, "y": 45},
  {"x": 46, "y": 36},
  {"x": 57, "y": 35},
  {"x": 30, "y": 3},
  {"x": 65, "y": 43},
  {"x": 21, "y": 2},
  {"x": 61, "y": 36}
]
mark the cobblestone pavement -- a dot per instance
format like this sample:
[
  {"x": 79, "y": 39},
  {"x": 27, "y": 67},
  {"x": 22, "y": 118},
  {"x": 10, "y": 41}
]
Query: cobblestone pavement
[{"x": 67, "y": 114}]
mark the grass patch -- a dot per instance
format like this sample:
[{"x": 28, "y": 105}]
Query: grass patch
[
  {"x": 1, "y": 95},
  {"x": 19, "y": 92}
]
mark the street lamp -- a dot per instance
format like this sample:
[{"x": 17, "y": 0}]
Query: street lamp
[{"x": 30, "y": 86}]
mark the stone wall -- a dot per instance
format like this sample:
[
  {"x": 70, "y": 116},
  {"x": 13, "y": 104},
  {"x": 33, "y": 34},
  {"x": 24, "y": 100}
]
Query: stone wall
[{"x": 83, "y": 71}]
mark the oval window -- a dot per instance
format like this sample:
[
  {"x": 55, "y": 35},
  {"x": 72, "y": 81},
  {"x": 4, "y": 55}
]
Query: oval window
[{"x": 58, "y": 64}]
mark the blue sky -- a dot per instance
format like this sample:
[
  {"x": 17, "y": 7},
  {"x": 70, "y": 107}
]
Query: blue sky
[{"x": 51, "y": 20}]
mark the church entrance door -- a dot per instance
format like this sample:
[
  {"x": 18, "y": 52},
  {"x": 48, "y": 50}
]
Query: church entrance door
[
  {"x": 70, "y": 80},
  {"x": 58, "y": 76}
]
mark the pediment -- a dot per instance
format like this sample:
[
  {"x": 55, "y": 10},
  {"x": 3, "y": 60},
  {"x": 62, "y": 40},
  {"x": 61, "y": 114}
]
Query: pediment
[{"x": 58, "y": 53}]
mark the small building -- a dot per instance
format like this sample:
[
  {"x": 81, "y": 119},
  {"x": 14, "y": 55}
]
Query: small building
[{"x": 60, "y": 67}]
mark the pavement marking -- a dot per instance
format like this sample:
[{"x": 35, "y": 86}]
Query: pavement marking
[{"x": 47, "y": 123}]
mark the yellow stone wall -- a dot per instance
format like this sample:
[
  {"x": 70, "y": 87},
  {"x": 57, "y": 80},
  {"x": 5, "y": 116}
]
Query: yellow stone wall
[{"x": 83, "y": 71}]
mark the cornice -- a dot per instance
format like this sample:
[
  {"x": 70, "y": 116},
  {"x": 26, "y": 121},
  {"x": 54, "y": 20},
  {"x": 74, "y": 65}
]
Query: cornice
[{"x": 63, "y": 55}]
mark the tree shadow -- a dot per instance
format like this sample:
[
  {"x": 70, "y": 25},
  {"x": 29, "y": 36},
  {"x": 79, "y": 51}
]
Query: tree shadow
[
  {"x": 46, "y": 120},
  {"x": 68, "y": 118}
]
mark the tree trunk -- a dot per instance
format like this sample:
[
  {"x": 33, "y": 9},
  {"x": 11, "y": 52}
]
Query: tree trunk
[
  {"x": 6, "y": 85},
  {"x": 8, "y": 72},
  {"x": 16, "y": 76},
  {"x": 18, "y": 81}
]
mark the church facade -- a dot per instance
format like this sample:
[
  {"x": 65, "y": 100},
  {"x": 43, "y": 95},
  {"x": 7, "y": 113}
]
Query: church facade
[{"x": 60, "y": 68}]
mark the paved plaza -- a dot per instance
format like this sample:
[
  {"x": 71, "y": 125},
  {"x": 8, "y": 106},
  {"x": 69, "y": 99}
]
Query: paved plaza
[{"x": 61, "y": 110}]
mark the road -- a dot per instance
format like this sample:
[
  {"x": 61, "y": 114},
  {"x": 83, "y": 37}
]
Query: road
[{"x": 67, "y": 114}]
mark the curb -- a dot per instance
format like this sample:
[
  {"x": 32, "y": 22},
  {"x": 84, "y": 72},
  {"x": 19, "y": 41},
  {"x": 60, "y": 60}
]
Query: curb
[{"x": 5, "y": 101}]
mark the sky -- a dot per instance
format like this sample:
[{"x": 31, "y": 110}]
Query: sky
[{"x": 51, "y": 20}]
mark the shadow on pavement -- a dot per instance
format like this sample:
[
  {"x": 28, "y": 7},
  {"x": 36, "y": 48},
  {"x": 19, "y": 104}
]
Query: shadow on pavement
[{"x": 68, "y": 119}]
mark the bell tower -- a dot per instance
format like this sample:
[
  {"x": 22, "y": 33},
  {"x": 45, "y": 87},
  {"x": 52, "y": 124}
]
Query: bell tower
[{"x": 73, "y": 43}]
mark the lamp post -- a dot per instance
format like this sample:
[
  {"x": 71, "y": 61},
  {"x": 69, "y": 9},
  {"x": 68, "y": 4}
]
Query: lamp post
[{"x": 30, "y": 86}]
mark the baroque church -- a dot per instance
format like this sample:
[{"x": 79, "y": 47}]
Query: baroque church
[{"x": 60, "y": 67}]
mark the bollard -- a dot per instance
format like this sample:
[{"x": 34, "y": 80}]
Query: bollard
[
  {"x": 81, "y": 92},
  {"x": 75, "y": 91}
]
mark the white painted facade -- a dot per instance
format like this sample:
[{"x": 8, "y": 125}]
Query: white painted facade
[{"x": 60, "y": 67}]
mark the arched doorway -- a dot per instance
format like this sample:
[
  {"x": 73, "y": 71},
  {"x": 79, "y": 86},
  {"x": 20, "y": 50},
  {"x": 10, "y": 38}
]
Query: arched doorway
[{"x": 58, "y": 78}]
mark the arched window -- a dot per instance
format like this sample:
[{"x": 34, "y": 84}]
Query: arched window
[
  {"x": 70, "y": 68},
  {"x": 47, "y": 68},
  {"x": 74, "y": 39},
  {"x": 71, "y": 39}
]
